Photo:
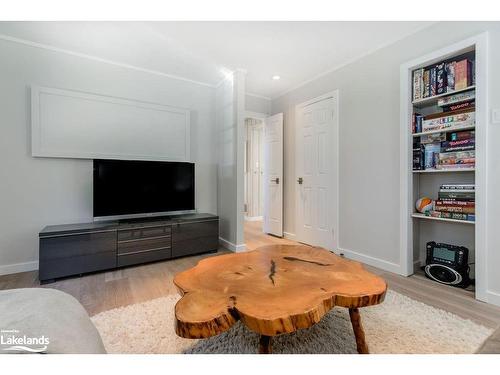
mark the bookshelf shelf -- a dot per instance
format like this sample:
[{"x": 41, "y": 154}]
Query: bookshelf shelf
[
  {"x": 448, "y": 130},
  {"x": 445, "y": 170},
  {"x": 425, "y": 217},
  {"x": 432, "y": 99}
]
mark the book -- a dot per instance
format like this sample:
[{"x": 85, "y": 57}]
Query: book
[
  {"x": 418, "y": 155},
  {"x": 433, "y": 81},
  {"x": 441, "y": 79},
  {"x": 452, "y": 203},
  {"x": 459, "y": 142},
  {"x": 457, "y": 155},
  {"x": 459, "y": 209},
  {"x": 431, "y": 153},
  {"x": 459, "y": 106},
  {"x": 455, "y": 195},
  {"x": 443, "y": 118},
  {"x": 473, "y": 71},
  {"x": 455, "y": 162},
  {"x": 450, "y": 76},
  {"x": 446, "y": 202},
  {"x": 418, "y": 160},
  {"x": 440, "y": 114},
  {"x": 417, "y": 122},
  {"x": 426, "y": 78},
  {"x": 457, "y": 126},
  {"x": 455, "y": 166},
  {"x": 457, "y": 136},
  {"x": 457, "y": 98},
  {"x": 458, "y": 148},
  {"x": 460, "y": 145},
  {"x": 458, "y": 186},
  {"x": 417, "y": 84},
  {"x": 453, "y": 215},
  {"x": 433, "y": 138},
  {"x": 456, "y": 190},
  {"x": 468, "y": 200},
  {"x": 463, "y": 77},
  {"x": 458, "y": 120},
  {"x": 419, "y": 119}
]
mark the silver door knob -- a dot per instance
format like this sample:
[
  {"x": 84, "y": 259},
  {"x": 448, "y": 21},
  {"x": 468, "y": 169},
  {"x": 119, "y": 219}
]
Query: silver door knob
[
  {"x": 276, "y": 180},
  {"x": 300, "y": 180}
]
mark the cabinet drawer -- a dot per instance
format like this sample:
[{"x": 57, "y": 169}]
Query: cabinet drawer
[
  {"x": 144, "y": 244},
  {"x": 143, "y": 257},
  {"x": 195, "y": 238},
  {"x": 153, "y": 231},
  {"x": 68, "y": 255}
]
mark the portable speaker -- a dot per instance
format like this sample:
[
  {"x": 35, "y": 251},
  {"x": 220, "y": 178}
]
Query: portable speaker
[{"x": 447, "y": 264}]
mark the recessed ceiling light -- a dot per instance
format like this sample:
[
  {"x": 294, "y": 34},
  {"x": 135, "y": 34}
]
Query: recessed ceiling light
[{"x": 275, "y": 78}]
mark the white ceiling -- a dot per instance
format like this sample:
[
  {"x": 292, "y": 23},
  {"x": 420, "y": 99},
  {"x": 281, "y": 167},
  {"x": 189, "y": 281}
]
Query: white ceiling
[{"x": 203, "y": 51}]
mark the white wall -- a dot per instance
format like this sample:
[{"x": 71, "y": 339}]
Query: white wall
[
  {"x": 369, "y": 144},
  {"x": 257, "y": 104},
  {"x": 35, "y": 192},
  {"x": 230, "y": 101}
]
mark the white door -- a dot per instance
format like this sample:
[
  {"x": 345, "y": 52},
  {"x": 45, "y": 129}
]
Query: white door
[
  {"x": 273, "y": 175},
  {"x": 316, "y": 172}
]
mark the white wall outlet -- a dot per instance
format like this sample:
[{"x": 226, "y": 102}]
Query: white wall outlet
[{"x": 495, "y": 116}]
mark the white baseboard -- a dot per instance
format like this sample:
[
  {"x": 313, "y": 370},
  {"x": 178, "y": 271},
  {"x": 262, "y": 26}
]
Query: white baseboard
[
  {"x": 375, "y": 262},
  {"x": 254, "y": 218},
  {"x": 289, "y": 236},
  {"x": 18, "y": 267},
  {"x": 493, "y": 298},
  {"x": 231, "y": 246}
]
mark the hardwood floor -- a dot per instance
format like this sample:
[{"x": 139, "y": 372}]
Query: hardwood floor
[{"x": 107, "y": 290}]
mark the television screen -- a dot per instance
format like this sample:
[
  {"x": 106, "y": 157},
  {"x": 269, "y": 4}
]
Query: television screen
[{"x": 129, "y": 187}]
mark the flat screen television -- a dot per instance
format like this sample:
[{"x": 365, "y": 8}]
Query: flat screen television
[{"x": 131, "y": 188}]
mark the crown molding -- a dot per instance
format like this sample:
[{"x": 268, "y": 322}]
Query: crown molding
[
  {"x": 100, "y": 59},
  {"x": 258, "y": 96}
]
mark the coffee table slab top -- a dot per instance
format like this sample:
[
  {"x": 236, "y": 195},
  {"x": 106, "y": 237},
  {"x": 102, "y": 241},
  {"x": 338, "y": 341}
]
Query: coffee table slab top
[{"x": 273, "y": 290}]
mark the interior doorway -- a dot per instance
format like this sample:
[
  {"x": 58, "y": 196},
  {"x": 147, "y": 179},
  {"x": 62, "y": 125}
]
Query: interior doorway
[
  {"x": 254, "y": 172},
  {"x": 317, "y": 155},
  {"x": 263, "y": 172}
]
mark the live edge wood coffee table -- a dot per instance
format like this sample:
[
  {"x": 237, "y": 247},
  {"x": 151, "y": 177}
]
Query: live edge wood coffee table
[{"x": 273, "y": 290}]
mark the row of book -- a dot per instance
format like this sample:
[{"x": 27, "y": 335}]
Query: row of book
[
  {"x": 455, "y": 201},
  {"x": 457, "y": 101},
  {"x": 445, "y": 151},
  {"x": 457, "y": 119},
  {"x": 442, "y": 78}
]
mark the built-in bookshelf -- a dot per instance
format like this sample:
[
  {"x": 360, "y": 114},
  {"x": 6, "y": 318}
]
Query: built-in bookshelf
[{"x": 442, "y": 100}]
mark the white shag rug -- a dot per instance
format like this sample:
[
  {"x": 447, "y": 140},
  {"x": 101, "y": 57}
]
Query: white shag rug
[{"x": 398, "y": 325}]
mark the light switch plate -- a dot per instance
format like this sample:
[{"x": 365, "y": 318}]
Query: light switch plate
[{"x": 495, "y": 116}]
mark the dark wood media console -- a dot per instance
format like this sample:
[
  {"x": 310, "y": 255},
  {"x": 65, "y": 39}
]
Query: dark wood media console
[{"x": 74, "y": 249}]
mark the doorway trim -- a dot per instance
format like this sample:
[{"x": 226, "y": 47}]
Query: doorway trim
[
  {"x": 259, "y": 116},
  {"x": 331, "y": 94}
]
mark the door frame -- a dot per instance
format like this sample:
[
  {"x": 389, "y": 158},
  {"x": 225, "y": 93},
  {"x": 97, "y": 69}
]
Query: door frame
[
  {"x": 262, "y": 117},
  {"x": 331, "y": 94}
]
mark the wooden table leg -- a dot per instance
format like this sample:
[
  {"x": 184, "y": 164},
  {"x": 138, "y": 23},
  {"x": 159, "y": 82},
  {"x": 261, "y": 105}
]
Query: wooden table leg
[
  {"x": 358, "y": 331},
  {"x": 265, "y": 344}
]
